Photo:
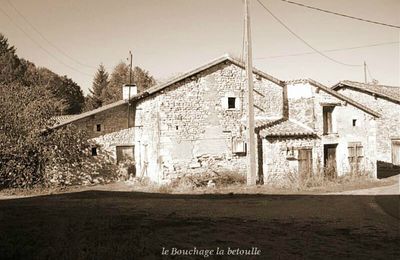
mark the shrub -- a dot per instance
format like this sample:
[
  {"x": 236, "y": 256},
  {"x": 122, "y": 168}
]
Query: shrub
[{"x": 204, "y": 179}]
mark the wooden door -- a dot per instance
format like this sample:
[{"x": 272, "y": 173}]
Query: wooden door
[
  {"x": 305, "y": 162},
  {"x": 396, "y": 152},
  {"x": 330, "y": 160}
]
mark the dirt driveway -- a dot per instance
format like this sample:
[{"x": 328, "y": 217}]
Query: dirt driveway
[{"x": 134, "y": 225}]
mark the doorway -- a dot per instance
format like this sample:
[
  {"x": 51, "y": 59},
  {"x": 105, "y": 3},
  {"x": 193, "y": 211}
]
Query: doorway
[
  {"x": 305, "y": 163},
  {"x": 330, "y": 160}
]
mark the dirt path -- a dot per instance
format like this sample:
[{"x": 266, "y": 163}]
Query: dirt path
[
  {"x": 135, "y": 225},
  {"x": 393, "y": 189}
]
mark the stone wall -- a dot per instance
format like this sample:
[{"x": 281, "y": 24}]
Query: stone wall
[
  {"x": 189, "y": 126},
  {"x": 388, "y": 125},
  {"x": 279, "y": 165},
  {"x": 306, "y": 106},
  {"x": 113, "y": 128}
]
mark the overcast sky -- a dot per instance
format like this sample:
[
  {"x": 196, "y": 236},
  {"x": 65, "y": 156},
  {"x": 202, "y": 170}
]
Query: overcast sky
[{"x": 169, "y": 37}]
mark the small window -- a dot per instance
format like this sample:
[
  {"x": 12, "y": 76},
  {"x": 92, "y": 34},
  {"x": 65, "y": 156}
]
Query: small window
[
  {"x": 354, "y": 122},
  {"x": 94, "y": 151},
  {"x": 98, "y": 127},
  {"x": 231, "y": 102},
  {"x": 238, "y": 146},
  {"x": 177, "y": 127}
]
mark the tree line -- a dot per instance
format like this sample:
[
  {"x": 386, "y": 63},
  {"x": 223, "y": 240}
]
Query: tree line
[{"x": 30, "y": 97}]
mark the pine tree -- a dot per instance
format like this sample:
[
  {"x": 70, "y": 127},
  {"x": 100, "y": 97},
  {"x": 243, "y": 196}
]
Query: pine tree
[{"x": 100, "y": 82}]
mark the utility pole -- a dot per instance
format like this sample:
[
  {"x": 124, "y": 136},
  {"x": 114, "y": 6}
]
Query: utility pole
[
  {"x": 251, "y": 153},
  {"x": 365, "y": 72},
  {"x": 129, "y": 90}
]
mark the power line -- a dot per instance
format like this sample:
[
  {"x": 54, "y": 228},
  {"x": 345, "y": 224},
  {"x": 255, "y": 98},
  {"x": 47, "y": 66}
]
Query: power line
[
  {"x": 329, "y": 50},
  {"x": 301, "y": 39},
  {"x": 49, "y": 42},
  {"x": 339, "y": 14},
  {"x": 40, "y": 46}
]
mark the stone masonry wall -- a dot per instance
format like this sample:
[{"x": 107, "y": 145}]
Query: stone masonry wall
[
  {"x": 388, "y": 126},
  {"x": 278, "y": 166},
  {"x": 188, "y": 127},
  {"x": 307, "y": 107},
  {"x": 114, "y": 130}
]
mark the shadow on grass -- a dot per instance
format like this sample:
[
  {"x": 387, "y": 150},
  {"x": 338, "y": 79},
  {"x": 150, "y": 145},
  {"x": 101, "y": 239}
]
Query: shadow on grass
[{"x": 126, "y": 225}]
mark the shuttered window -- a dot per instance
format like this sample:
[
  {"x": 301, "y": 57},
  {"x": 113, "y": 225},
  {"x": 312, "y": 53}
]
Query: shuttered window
[{"x": 356, "y": 153}]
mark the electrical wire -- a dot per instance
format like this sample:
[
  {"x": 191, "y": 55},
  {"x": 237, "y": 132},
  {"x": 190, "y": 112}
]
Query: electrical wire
[
  {"x": 339, "y": 14},
  {"x": 305, "y": 42},
  {"x": 48, "y": 41},
  {"x": 329, "y": 50},
  {"x": 40, "y": 46}
]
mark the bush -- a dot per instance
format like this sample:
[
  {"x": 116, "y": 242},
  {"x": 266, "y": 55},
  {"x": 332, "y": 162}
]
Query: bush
[{"x": 208, "y": 179}]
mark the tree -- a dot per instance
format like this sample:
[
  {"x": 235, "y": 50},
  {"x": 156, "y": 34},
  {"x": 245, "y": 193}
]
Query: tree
[
  {"x": 120, "y": 76},
  {"x": 100, "y": 83},
  {"x": 11, "y": 67},
  {"x": 143, "y": 79}
]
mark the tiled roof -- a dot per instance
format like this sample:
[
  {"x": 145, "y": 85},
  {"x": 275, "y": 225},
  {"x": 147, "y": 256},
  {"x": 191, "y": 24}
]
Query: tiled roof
[
  {"x": 336, "y": 94},
  {"x": 162, "y": 86},
  {"x": 389, "y": 92},
  {"x": 262, "y": 121},
  {"x": 63, "y": 118},
  {"x": 286, "y": 128},
  {"x": 66, "y": 119}
]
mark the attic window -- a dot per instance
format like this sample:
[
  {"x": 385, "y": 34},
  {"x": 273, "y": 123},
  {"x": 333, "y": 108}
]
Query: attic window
[
  {"x": 98, "y": 127},
  {"x": 94, "y": 151},
  {"x": 231, "y": 102},
  {"x": 354, "y": 122}
]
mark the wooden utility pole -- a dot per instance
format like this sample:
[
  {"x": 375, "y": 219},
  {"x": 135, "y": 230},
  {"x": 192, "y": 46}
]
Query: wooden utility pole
[
  {"x": 251, "y": 152},
  {"x": 129, "y": 90},
  {"x": 365, "y": 72}
]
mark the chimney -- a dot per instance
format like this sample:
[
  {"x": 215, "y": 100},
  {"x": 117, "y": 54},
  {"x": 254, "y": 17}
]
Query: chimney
[{"x": 129, "y": 91}]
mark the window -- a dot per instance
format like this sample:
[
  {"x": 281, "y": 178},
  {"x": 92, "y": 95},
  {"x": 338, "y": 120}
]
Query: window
[
  {"x": 231, "y": 102},
  {"x": 94, "y": 151},
  {"x": 98, "y": 127},
  {"x": 354, "y": 122},
  {"x": 355, "y": 155},
  {"x": 238, "y": 146},
  {"x": 327, "y": 117},
  {"x": 125, "y": 153}
]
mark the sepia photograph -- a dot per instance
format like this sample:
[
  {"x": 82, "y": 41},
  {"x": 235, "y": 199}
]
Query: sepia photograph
[{"x": 200, "y": 129}]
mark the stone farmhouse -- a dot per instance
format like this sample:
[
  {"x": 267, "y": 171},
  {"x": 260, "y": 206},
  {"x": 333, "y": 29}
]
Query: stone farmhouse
[
  {"x": 196, "y": 122},
  {"x": 386, "y": 101}
]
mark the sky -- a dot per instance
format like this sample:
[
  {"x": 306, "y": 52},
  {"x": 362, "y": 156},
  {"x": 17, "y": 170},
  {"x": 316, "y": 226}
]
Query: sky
[{"x": 169, "y": 37}]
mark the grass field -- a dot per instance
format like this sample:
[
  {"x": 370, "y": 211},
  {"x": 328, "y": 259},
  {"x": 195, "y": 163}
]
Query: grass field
[{"x": 133, "y": 225}]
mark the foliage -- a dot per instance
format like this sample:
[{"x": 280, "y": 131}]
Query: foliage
[
  {"x": 29, "y": 155},
  {"x": 100, "y": 83},
  {"x": 11, "y": 67},
  {"x": 120, "y": 76},
  {"x": 218, "y": 179},
  {"x": 24, "y": 113},
  {"x": 14, "y": 70}
]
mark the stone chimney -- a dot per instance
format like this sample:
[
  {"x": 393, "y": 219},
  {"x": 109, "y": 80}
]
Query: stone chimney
[{"x": 129, "y": 91}]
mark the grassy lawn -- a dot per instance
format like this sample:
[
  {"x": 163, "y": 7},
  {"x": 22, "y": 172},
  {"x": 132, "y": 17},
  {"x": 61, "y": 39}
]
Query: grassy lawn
[{"x": 135, "y": 225}]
